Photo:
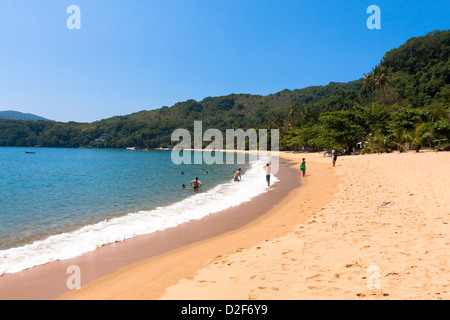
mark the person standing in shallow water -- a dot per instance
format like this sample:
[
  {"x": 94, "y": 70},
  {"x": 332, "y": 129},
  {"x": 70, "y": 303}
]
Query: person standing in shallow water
[
  {"x": 303, "y": 166},
  {"x": 237, "y": 175},
  {"x": 196, "y": 184},
  {"x": 267, "y": 168}
]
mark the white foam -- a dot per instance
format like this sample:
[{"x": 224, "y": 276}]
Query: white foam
[{"x": 88, "y": 238}]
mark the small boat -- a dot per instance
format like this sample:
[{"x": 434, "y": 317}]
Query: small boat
[
  {"x": 29, "y": 152},
  {"x": 131, "y": 148}
]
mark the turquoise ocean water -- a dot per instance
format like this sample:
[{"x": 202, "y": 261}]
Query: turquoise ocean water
[{"x": 60, "y": 203}]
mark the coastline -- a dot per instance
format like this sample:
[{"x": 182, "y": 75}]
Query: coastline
[
  {"x": 49, "y": 281},
  {"x": 373, "y": 227},
  {"x": 150, "y": 278},
  {"x": 384, "y": 236}
]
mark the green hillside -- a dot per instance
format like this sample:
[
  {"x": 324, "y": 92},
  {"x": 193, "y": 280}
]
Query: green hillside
[
  {"x": 150, "y": 129},
  {"x": 420, "y": 68},
  {"x": 406, "y": 95},
  {"x": 403, "y": 104}
]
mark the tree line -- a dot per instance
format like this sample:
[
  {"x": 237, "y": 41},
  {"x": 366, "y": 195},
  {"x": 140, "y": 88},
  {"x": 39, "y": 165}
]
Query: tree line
[{"x": 402, "y": 103}]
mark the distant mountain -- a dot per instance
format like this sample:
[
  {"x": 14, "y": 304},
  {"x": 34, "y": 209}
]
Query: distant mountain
[{"x": 16, "y": 115}]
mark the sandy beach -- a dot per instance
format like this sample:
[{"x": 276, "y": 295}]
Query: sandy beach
[
  {"x": 385, "y": 235},
  {"x": 49, "y": 281},
  {"x": 372, "y": 227}
]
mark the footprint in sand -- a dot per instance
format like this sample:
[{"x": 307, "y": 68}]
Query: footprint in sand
[
  {"x": 206, "y": 281},
  {"x": 269, "y": 288},
  {"x": 258, "y": 277},
  {"x": 255, "y": 294},
  {"x": 252, "y": 296},
  {"x": 350, "y": 265},
  {"x": 313, "y": 288},
  {"x": 286, "y": 266},
  {"x": 314, "y": 276}
]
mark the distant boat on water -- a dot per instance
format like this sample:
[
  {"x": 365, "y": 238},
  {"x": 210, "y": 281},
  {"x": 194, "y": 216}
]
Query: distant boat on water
[
  {"x": 131, "y": 148},
  {"x": 30, "y": 152}
]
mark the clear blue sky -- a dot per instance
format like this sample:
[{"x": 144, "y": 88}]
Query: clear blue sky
[{"x": 132, "y": 55}]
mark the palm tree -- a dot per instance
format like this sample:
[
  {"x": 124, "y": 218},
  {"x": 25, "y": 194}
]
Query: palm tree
[
  {"x": 368, "y": 82},
  {"x": 418, "y": 136},
  {"x": 292, "y": 115},
  {"x": 437, "y": 113},
  {"x": 377, "y": 79},
  {"x": 400, "y": 138},
  {"x": 378, "y": 142},
  {"x": 304, "y": 115},
  {"x": 277, "y": 122}
]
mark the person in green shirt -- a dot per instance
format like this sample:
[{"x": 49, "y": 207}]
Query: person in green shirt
[{"x": 303, "y": 166}]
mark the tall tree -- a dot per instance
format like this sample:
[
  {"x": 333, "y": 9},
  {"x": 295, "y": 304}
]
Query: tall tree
[{"x": 377, "y": 79}]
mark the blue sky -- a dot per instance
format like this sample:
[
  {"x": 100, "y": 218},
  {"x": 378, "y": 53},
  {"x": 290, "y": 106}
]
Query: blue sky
[{"x": 144, "y": 54}]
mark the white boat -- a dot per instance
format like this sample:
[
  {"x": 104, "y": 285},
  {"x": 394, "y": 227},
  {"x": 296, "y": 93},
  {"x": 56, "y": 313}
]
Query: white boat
[{"x": 131, "y": 148}]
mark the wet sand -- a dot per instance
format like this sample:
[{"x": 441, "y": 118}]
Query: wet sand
[
  {"x": 385, "y": 235},
  {"x": 49, "y": 281},
  {"x": 151, "y": 278},
  {"x": 372, "y": 227}
]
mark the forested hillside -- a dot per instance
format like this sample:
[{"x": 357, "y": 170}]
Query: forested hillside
[
  {"x": 150, "y": 129},
  {"x": 401, "y": 103}
]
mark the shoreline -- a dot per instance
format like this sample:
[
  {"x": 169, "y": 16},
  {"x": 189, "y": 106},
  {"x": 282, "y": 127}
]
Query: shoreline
[
  {"x": 49, "y": 281},
  {"x": 150, "y": 278},
  {"x": 384, "y": 236},
  {"x": 373, "y": 227}
]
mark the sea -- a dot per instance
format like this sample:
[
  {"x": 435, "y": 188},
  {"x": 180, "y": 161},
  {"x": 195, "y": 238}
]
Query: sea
[{"x": 58, "y": 203}]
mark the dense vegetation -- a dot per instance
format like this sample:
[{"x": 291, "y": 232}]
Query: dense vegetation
[
  {"x": 403, "y": 103},
  {"x": 149, "y": 129}
]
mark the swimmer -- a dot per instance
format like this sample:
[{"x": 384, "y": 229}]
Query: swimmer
[
  {"x": 237, "y": 175},
  {"x": 195, "y": 184}
]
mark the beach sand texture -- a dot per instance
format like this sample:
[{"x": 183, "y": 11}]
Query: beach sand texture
[
  {"x": 385, "y": 236},
  {"x": 373, "y": 227}
]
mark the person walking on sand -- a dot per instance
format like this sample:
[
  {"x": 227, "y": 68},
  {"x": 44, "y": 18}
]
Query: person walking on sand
[
  {"x": 334, "y": 157},
  {"x": 195, "y": 184},
  {"x": 303, "y": 166},
  {"x": 267, "y": 168},
  {"x": 237, "y": 175}
]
